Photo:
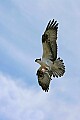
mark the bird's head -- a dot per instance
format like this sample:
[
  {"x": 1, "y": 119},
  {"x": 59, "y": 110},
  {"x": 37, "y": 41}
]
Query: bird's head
[{"x": 38, "y": 60}]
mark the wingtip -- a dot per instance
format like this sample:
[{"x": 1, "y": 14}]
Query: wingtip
[{"x": 52, "y": 24}]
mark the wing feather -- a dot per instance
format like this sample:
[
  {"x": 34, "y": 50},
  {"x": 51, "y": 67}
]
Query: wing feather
[{"x": 49, "y": 40}]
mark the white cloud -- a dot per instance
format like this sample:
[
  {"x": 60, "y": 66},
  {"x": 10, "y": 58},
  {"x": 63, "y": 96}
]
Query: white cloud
[{"x": 18, "y": 103}]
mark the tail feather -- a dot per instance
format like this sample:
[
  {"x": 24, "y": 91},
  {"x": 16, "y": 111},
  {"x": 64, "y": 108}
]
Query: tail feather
[{"x": 58, "y": 68}]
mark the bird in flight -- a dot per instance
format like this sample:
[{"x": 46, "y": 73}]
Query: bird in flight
[{"x": 50, "y": 65}]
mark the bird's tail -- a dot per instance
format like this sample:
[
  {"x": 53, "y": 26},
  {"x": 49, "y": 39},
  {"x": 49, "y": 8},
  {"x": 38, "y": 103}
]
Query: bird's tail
[{"x": 58, "y": 68}]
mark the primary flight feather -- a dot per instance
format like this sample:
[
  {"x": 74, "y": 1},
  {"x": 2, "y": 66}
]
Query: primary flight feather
[{"x": 50, "y": 64}]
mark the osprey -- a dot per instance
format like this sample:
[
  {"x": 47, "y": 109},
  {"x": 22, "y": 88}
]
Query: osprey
[{"x": 50, "y": 65}]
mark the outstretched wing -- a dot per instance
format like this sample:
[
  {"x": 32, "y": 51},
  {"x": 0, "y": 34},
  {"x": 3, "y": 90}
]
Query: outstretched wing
[{"x": 49, "y": 41}]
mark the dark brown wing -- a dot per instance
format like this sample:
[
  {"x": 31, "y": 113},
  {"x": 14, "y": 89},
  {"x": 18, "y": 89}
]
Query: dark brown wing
[{"x": 49, "y": 40}]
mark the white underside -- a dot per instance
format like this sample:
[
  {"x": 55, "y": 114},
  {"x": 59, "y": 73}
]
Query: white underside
[{"x": 48, "y": 62}]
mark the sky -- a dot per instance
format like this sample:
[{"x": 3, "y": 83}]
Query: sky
[{"x": 22, "y": 23}]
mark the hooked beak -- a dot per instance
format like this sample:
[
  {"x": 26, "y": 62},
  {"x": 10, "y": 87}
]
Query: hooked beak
[{"x": 37, "y": 59}]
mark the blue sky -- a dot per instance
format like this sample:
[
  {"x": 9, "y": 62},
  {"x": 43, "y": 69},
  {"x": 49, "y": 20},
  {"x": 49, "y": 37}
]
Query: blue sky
[{"x": 21, "y": 25}]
